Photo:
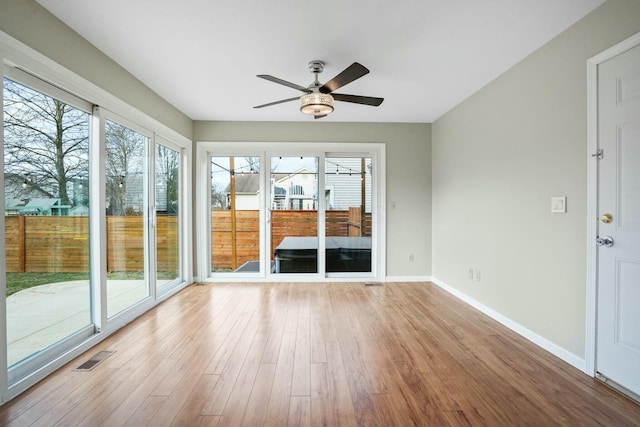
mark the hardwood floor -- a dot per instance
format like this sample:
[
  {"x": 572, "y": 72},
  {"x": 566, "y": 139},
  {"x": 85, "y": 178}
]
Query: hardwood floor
[{"x": 330, "y": 354}]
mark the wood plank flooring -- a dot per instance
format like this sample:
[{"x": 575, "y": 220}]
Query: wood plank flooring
[{"x": 319, "y": 354}]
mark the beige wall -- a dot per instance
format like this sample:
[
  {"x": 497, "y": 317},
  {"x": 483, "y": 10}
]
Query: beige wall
[
  {"x": 28, "y": 22},
  {"x": 498, "y": 158},
  {"x": 408, "y": 183}
]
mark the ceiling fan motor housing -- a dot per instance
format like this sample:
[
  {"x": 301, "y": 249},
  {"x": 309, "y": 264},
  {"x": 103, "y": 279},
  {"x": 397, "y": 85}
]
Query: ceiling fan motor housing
[{"x": 316, "y": 66}]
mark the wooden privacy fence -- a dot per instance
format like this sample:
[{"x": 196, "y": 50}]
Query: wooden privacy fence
[
  {"x": 283, "y": 223},
  {"x": 47, "y": 244},
  {"x": 247, "y": 238},
  {"x": 56, "y": 244}
]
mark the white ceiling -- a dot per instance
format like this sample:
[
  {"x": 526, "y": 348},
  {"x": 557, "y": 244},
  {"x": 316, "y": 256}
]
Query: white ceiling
[{"x": 425, "y": 56}]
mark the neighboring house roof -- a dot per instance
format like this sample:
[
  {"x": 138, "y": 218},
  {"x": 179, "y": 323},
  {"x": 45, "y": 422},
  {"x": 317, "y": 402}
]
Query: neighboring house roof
[
  {"x": 245, "y": 183},
  {"x": 280, "y": 177},
  {"x": 38, "y": 206},
  {"x": 43, "y": 202},
  {"x": 79, "y": 210},
  {"x": 15, "y": 202}
]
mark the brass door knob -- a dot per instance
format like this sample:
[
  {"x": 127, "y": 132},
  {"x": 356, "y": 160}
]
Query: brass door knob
[{"x": 606, "y": 218}]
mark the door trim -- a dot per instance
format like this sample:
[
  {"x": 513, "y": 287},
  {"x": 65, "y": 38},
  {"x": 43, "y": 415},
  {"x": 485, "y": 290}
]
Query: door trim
[{"x": 592, "y": 195}]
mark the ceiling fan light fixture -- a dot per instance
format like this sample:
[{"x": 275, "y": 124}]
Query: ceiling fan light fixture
[{"x": 316, "y": 104}]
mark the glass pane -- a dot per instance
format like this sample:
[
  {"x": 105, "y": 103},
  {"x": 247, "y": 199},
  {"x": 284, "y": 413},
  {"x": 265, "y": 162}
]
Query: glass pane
[
  {"x": 235, "y": 209},
  {"x": 126, "y": 196},
  {"x": 348, "y": 214},
  {"x": 294, "y": 214},
  {"x": 167, "y": 215},
  {"x": 46, "y": 154}
]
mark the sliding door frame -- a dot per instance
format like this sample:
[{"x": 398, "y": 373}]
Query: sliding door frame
[
  {"x": 183, "y": 180},
  {"x": 148, "y": 216},
  {"x": 207, "y": 149},
  {"x": 22, "y": 369}
]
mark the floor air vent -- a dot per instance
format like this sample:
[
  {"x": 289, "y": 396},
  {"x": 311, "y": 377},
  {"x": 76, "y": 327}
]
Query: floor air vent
[
  {"x": 94, "y": 361},
  {"x": 374, "y": 284}
]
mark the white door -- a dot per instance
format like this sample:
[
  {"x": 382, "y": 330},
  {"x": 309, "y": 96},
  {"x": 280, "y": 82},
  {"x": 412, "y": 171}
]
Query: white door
[{"x": 618, "y": 299}]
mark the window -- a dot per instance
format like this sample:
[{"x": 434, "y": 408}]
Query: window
[{"x": 46, "y": 196}]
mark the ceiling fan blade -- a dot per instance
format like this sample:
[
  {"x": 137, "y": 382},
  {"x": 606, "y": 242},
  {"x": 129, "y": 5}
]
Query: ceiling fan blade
[
  {"x": 284, "y": 82},
  {"x": 351, "y": 73},
  {"x": 319, "y": 117},
  {"x": 277, "y": 102},
  {"x": 357, "y": 99}
]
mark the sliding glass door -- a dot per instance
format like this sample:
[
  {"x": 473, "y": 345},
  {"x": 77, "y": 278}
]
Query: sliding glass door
[
  {"x": 318, "y": 208},
  {"x": 348, "y": 214},
  {"x": 168, "y": 193},
  {"x": 93, "y": 232},
  {"x": 235, "y": 214},
  {"x": 127, "y": 189},
  {"x": 293, "y": 211},
  {"x": 46, "y": 194}
]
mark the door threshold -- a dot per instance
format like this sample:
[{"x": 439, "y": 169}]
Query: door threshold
[{"x": 617, "y": 387}]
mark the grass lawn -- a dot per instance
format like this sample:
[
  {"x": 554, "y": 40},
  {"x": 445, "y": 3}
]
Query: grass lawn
[{"x": 19, "y": 281}]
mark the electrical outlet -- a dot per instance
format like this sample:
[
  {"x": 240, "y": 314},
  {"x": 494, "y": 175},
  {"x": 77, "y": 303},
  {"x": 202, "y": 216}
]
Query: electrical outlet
[
  {"x": 478, "y": 275},
  {"x": 471, "y": 273},
  {"x": 410, "y": 257}
]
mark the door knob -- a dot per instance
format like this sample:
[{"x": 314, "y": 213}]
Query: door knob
[
  {"x": 606, "y": 218},
  {"x": 604, "y": 241}
]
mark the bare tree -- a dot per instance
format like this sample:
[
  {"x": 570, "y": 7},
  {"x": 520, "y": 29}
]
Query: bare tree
[
  {"x": 167, "y": 170},
  {"x": 124, "y": 166},
  {"x": 45, "y": 140},
  {"x": 253, "y": 164},
  {"x": 218, "y": 197}
]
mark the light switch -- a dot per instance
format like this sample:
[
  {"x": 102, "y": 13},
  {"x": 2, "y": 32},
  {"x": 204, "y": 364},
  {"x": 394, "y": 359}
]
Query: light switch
[{"x": 559, "y": 204}]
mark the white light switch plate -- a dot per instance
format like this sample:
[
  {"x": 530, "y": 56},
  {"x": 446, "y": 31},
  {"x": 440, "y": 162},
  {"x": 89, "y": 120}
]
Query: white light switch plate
[{"x": 559, "y": 204}]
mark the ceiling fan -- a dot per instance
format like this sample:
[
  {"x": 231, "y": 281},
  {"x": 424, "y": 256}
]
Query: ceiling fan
[{"x": 318, "y": 99}]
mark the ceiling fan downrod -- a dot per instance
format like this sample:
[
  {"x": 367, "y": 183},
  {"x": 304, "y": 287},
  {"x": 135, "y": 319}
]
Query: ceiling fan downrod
[{"x": 316, "y": 67}]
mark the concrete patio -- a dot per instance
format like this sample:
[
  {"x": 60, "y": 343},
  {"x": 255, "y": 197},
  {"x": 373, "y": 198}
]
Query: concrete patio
[{"x": 43, "y": 315}]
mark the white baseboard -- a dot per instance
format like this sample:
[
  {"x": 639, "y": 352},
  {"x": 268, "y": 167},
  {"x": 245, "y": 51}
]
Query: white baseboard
[
  {"x": 408, "y": 279},
  {"x": 551, "y": 347}
]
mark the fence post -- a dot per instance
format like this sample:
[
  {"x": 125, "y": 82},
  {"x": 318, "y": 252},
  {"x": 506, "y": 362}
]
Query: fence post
[
  {"x": 354, "y": 223},
  {"x": 22, "y": 250}
]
